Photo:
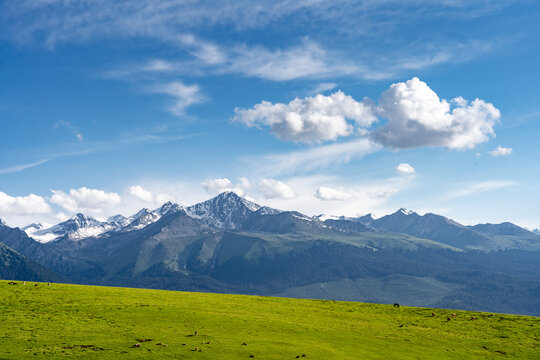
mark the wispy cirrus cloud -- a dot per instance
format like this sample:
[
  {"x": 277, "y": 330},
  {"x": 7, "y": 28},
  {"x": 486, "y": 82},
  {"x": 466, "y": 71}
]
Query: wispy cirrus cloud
[
  {"x": 179, "y": 24},
  {"x": 183, "y": 95},
  {"x": 312, "y": 158},
  {"x": 68, "y": 125},
  {"x": 479, "y": 188},
  {"x": 21, "y": 167}
]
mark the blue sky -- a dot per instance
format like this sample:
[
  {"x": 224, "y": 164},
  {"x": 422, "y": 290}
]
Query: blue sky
[{"x": 342, "y": 107}]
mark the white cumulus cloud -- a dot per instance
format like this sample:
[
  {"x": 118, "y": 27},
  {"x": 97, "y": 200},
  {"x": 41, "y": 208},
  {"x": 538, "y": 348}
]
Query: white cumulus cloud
[
  {"x": 405, "y": 169},
  {"x": 309, "y": 120},
  {"x": 147, "y": 196},
  {"x": 275, "y": 189},
  {"x": 500, "y": 151},
  {"x": 141, "y": 193},
  {"x": 217, "y": 186},
  {"x": 22, "y": 205},
  {"x": 85, "y": 199},
  {"x": 417, "y": 117},
  {"x": 328, "y": 193}
]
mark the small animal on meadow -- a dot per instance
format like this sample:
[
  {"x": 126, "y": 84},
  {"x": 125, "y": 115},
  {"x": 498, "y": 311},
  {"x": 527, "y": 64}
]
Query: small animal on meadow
[
  {"x": 136, "y": 345},
  {"x": 251, "y": 355},
  {"x": 24, "y": 283},
  {"x": 48, "y": 284},
  {"x": 448, "y": 319},
  {"x": 36, "y": 285},
  {"x": 491, "y": 315},
  {"x": 396, "y": 305},
  {"x": 196, "y": 332},
  {"x": 454, "y": 315},
  {"x": 432, "y": 314},
  {"x": 196, "y": 349},
  {"x": 474, "y": 318},
  {"x": 244, "y": 343}
]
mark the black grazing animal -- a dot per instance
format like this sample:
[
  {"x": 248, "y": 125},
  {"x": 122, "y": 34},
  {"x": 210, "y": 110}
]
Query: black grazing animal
[{"x": 396, "y": 305}]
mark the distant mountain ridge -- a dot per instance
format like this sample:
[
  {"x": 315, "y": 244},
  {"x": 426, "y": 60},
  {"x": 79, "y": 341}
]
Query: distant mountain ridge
[
  {"x": 229, "y": 211},
  {"x": 230, "y": 244}
]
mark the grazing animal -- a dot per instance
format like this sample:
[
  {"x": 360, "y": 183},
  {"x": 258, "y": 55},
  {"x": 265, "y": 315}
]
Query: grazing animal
[
  {"x": 432, "y": 314},
  {"x": 136, "y": 345},
  {"x": 24, "y": 283},
  {"x": 195, "y": 333},
  {"x": 454, "y": 315},
  {"x": 251, "y": 355},
  {"x": 244, "y": 343},
  {"x": 448, "y": 319},
  {"x": 491, "y": 315},
  {"x": 196, "y": 349},
  {"x": 474, "y": 318},
  {"x": 396, "y": 305},
  {"x": 36, "y": 285}
]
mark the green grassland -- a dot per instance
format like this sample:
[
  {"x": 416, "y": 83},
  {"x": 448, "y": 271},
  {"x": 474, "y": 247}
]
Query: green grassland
[{"x": 71, "y": 321}]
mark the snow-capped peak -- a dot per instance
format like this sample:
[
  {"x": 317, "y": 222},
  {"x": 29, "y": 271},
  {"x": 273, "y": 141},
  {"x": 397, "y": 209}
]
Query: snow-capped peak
[
  {"x": 406, "y": 211},
  {"x": 228, "y": 210},
  {"x": 77, "y": 227},
  {"x": 168, "y": 208}
]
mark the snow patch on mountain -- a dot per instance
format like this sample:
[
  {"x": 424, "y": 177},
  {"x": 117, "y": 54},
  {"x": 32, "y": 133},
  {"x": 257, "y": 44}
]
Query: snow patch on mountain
[
  {"x": 226, "y": 211},
  {"x": 406, "y": 211},
  {"x": 81, "y": 226},
  {"x": 76, "y": 228}
]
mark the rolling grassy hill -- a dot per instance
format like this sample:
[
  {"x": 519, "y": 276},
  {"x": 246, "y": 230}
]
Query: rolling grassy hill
[{"x": 61, "y": 321}]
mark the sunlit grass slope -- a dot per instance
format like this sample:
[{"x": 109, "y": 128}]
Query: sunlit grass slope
[{"x": 70, "y": 321}]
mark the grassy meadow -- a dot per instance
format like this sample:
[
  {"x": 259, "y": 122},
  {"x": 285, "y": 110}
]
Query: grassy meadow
[{"x": 90, "y": 322}]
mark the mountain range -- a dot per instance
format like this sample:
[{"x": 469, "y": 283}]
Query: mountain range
[{"x": 230, "y": 244}]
